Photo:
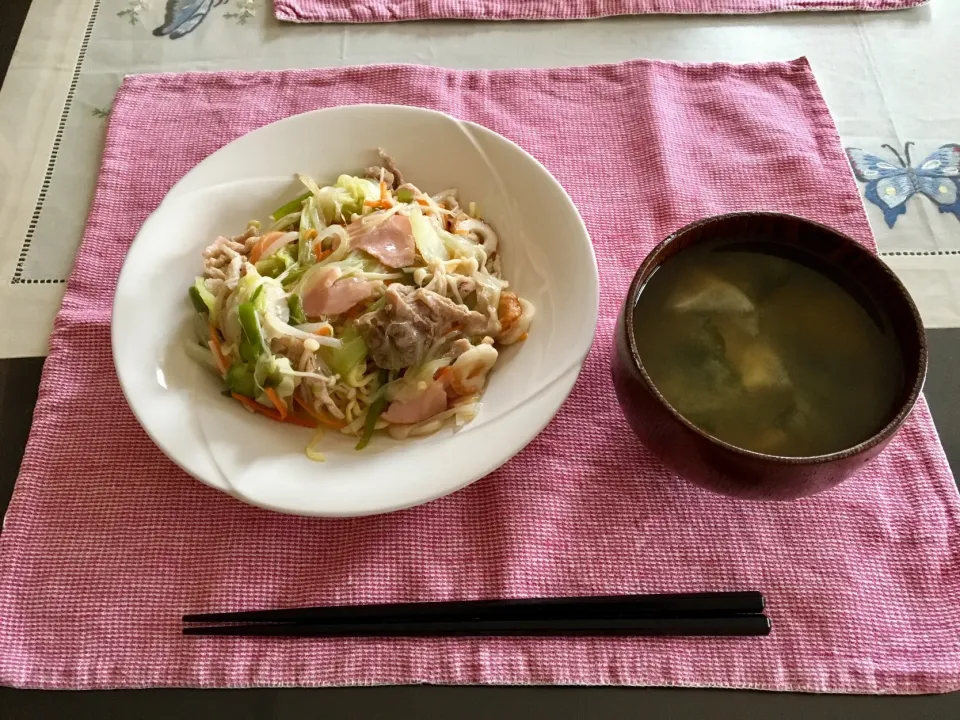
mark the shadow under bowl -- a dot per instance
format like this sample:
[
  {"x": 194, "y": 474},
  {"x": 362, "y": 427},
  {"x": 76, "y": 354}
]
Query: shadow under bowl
[{"x": 725, "y": 468}]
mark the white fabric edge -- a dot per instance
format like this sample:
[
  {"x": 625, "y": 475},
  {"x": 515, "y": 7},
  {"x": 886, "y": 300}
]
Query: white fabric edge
[
  {"x": 927, "y": 278},
  {"x": 43, "y": 63}
]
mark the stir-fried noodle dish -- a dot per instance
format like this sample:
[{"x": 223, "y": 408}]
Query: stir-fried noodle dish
[{"x": 365, "y": 305}]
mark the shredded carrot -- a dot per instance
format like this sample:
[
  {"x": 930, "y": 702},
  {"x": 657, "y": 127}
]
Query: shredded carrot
[
  {"x": 256, "y": 252},
  {"x": 277, "y": 401},
  {"x": 441, "y": 373},
  {"x": 522, "y": 338},
  {"x": 222, "y": 363},
  {"x": 320, "y": 253},
  {"x": 301, "y": 421},
  {"x": 310, "y": 234},
  {"x": 331, "y": 422},
  {"x": 354, "y": 311},
  {"x": 324, "y": 331},
  {"x": 253, "y": 406},
  {"x": 262, "y": 244},
  {"x": 221, "y": 368},
  {"x": 384, "y": 203},
  {"x": 421, "y": 201},
  {"x": 302, "y": 404},
  {"x": 319, "y": 417}
]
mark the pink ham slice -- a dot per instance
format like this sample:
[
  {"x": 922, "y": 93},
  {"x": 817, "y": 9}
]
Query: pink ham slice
[
  {"x": 390, "y": 242},
  {"x": 430, "y": 402},
  {"x": 329, "y": 295}
]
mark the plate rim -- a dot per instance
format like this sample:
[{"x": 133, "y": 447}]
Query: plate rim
[{"x": 553, "y": 395}]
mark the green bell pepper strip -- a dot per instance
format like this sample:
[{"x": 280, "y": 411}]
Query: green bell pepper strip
[
  {"x": 252, "y": 345},
  {"x": 272, "y": 266},
  {"x": 293, "y": 277},
  {"x": 296, "y": 310},
  {"x": 241, "y": 380},
  {"x": 377, "y": 406},
  {"x": 248, "y": 352},
  {"x": 290, "y": 207}
]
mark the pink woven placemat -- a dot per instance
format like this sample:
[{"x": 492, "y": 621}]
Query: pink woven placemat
[
  {"x": 360, "y": 11},
  {"x": 107, "y": 543}
]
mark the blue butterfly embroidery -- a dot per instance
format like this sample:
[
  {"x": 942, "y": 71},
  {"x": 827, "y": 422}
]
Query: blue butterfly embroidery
[
  {"x": 890, "y": 187},
  {"x": 185, "y": 16}
]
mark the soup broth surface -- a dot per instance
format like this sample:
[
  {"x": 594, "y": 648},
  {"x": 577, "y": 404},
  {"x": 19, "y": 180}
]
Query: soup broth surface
[{"x": 765, "y": 352}]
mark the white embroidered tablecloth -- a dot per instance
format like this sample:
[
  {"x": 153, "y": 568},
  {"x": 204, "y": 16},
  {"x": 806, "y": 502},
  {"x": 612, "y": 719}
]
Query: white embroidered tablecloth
[{"x": 889, "y": 78}]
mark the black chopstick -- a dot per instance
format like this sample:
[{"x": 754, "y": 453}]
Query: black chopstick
[
  {"x": 749, "y": 625},
  {"x": 708, "y": 604}
]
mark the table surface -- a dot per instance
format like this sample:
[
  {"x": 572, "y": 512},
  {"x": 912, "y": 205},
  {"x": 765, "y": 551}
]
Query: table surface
[
  {"x": 883, "y": 75},
  {"x": 19, "y": 381}
]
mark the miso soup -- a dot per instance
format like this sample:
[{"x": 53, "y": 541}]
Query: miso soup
[{"x": 761, "y": 347}]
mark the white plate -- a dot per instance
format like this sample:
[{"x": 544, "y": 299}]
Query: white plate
[{"x": 547, "y": 257}]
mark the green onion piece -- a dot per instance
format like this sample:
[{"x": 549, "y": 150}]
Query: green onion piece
[
  {"x": 304, "y": 246},
  {"x": 240, "y": 379},
  {"x": 198, "y": 304},
  {"x": 199, "y": 292},
  {"x": 405, "y": 195},
  {"x": 256, "y": 294},
  {"x": 296, "y": 310},
  {"x": 317, "y": 222},
  {"x": 374, "y": 412},
  {"x": 290, "y": 207},
  {"x": 252, "y": 334}
]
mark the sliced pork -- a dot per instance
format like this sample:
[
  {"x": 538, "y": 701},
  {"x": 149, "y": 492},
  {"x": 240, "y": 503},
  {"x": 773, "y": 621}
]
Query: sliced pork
[{"x": 400, "y": 333}]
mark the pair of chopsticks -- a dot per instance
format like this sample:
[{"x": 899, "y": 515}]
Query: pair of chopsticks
[{"x": 713, "y": 613}]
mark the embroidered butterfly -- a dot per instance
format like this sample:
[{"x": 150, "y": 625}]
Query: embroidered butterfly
[
  {"x": 185, "y": 16},
  {"x": 890, "y": 187}
]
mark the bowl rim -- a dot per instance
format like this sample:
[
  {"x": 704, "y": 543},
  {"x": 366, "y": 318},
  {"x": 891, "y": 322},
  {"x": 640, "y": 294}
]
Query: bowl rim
[{"x": 878, "y": 438}]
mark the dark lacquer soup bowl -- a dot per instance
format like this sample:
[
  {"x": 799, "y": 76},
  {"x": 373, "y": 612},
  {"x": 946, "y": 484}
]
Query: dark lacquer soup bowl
[{"x": 720, "y": 466}]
